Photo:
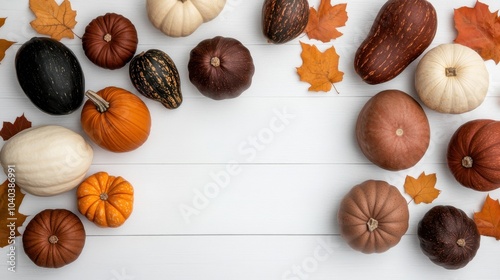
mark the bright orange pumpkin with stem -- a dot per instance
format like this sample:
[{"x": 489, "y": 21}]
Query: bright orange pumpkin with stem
[
  {"x": 105, "y": 200},
  {"x": 116, "y": 119}
]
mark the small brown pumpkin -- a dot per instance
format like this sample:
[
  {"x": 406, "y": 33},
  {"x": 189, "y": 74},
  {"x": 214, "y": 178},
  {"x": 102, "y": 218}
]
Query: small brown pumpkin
[
  {"x": 54, "y": 238},
  {"x": 110, "y": 41},
  {"x": 373, "y": 216},
  {"x": 116, "y": 119},
  {"x": 105, "y": 200},
  {"x": 474, "y": 154},
  {"x": 221, "y": 68},
  {"x": 392, "y": 130},
  {"x": 448, "y": 237}
]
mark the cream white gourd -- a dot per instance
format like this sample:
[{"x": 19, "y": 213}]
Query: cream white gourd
[
  {"x": 179, "y": 18},
  {"x": 452, "y": 78},
  {"x": 47, "y": 160}
]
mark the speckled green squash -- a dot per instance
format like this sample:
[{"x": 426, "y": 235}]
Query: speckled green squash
[
  {"x": 154, "y": 74},
  {"x": 50, "y": 75}
]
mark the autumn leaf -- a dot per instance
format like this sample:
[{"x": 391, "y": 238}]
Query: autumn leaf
[
  {"x": 10, "y": 218},
  {"x": 488, "y": 220},
  {"x": 422, "y": 189},
  {"x": 319, "y": 69},
  {"x": 10, "y": 129},
  {"x": 4, "y": 44},
  {"x": 54, "y": 20},
  {"x": 479, "y": 29},
  {"x": 323, "y": 23}
]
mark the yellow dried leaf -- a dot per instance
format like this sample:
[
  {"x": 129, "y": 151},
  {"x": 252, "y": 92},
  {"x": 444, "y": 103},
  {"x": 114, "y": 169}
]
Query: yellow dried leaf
[
  {"x": 422, "y": 189},
  {"x": 54, "y": 20}
]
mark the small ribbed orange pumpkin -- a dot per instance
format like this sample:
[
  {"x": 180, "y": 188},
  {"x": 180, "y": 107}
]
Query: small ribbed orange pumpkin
[
  {"x": 116, "y": 119},
  {"x": 105, "y": 200}
]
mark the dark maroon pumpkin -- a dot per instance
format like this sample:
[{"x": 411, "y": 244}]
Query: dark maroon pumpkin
[
  {"x": 392, "y": 130},
  {"x": 221, "y": 68},
  {"x": 54, "y": 238},
  {"x": 474, "y": 154},
  {"x": 448, "y": 237},
  {"x": 110, "y": 41}
]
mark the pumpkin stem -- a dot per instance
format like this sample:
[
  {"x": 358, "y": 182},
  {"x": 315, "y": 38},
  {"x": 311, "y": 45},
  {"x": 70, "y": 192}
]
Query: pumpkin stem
[
  {"x": 467, "y": 162},
  {"x": 107, "y": 37},
  {"x": 101, "y": 104},
  {"x": 215, "y": 61},
  {"x": 53, "y": 239},
  {"x": 450, "y": 71},
  {"x": 372, "y": 224},
  {"x": 103, "y": 196},
  {"x": 461, "y": 242},
  {"x": 399, "y": 132}
]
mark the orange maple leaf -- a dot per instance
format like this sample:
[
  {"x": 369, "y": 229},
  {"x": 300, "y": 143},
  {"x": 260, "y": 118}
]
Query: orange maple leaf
[
  {"x": 10, "y": 218},
  {"x": 54, "y": 20},
  {"x": 4, "y": 44},
  {"x": 319, "y": 69},
  {"x": 488, "y": 220},
  {"x": 10, "y": 129},
  {"x": 423, "y": 189},
  {"x": 323, "y": 23},
  {"x": 479, "y": 29}
]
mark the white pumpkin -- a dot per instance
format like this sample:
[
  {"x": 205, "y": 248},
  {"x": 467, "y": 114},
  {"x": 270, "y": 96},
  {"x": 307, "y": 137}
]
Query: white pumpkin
[
  {"x": 179, "y": 18},
  {"x": 47, "y": 160},
  {"x": 452, "y": 78}
]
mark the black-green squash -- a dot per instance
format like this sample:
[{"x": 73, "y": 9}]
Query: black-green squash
[
  {"x": 154, "y": 74},
  {"x": 50, "y": 75}
]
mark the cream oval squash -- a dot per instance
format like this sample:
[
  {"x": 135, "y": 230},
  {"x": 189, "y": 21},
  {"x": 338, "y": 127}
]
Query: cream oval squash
[
  {"x": 47, "y": 160},
  {"x": 452, "y": 78},
  {"x": 179, "y": 18}
]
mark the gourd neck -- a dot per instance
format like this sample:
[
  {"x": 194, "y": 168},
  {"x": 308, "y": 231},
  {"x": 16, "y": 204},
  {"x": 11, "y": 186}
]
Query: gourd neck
[
  {"x": 450, "y": 72},
  {"x": 101, "y": 104},
  {"x": 372, "y": 224},
  {"x": 467, "y": 162}
]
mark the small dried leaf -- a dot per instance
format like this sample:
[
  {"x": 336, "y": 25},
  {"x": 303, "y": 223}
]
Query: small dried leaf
[
  {"x": 319, "y": 69},
  {"x": 54, "y": 20},
  {"x": 4, "y": 44},
  {"x": 323, "y": 23},
  {"x": 422, "y": 189},
  {"x": 488, "y": 219},
  {"x": 10, "y": 129}
]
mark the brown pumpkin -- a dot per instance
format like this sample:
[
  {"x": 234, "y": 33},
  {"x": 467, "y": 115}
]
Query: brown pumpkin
[
  {"x": 392, "y": 130},
  {"x": 373, "y": 216},
  {"x": 110, "y": 41},
  {"x": 54, "y": 238},
  {"x": 221, "y": 68},
  {"x": 474, "y": 154},
  {"x": 116, "y": 119},
  {"x": 448, "y": 237},
  {"x": 105, "y": 200}
]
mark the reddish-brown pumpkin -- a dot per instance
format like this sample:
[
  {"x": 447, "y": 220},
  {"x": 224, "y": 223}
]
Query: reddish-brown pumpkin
[
  {"x": 373, "y": 217},
  {"x": 54, "y": 238},
  {"x": 392, "y": 130},
  {"x": 110, "y": 41},
  {"x": 116, "y": 119},
  {"x": 105, "y": 200},
  {"x": 474, "y": 154}
]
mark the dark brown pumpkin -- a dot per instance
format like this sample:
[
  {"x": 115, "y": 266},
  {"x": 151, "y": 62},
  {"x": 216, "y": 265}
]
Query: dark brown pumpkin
[
  {"x": 221, "y": 68},
  {"x": 474, "y": 154},
  {"x": 402, "y": 30},
  {"x": 284, "y": 20},
  {"x": 54, "y": 238},
  {"x": 110, "y": 41},
  {"x": 392, "y": 130},
  {"x": 448, "y": 237}
]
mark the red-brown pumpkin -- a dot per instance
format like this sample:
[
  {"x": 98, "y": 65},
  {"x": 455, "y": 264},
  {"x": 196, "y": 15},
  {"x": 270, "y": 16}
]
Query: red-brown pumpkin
[
  {"x": 392, "y": 130},
  {"x": 373, "y": 216},
  {"x": 110, "y": 41},
  {"x": 474, "y": 154},
  {"x": 54, "y": 238},
  {"x": 116, "y": 119}
]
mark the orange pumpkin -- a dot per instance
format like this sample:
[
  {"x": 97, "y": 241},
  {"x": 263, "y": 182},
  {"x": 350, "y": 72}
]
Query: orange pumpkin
[
  {"x": 116, "y": 119},
  {"x": 105, "y": 200}
]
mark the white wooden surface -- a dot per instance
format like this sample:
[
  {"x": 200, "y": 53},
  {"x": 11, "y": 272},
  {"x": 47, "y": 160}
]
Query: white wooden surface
[{"x": 262, "y": 174}]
